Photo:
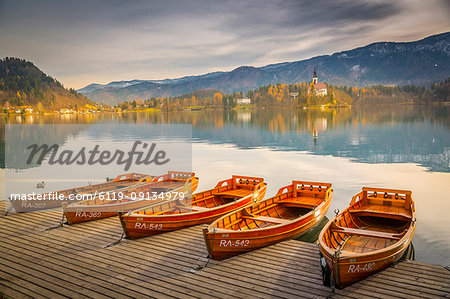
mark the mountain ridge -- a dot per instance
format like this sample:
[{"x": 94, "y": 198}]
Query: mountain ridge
[
  {"x": 24, "y": 84},
  {"x": 420, "y": 62}
]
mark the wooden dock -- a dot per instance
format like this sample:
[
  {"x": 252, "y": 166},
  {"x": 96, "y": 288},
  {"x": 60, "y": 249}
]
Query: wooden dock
[{"x": 72, "y": 261}]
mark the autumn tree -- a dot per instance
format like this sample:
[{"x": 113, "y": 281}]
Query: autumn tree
[{"x": 217, "y": 99}]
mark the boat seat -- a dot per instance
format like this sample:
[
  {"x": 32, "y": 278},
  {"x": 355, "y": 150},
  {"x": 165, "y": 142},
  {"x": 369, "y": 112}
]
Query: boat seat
[
  {"x": 193, "y": 208},
  {"x": 383, "y": 211},
  {"x": 196, "y": 208},
  {"x": 366, "y": 233},
  {"x": 235, "y": 192},
  {"x": 268, "y": 219},
  {"x": 301, "y": 202}
]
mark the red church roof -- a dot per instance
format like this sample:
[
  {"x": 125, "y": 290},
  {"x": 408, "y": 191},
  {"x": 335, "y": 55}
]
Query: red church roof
[{"x": 320, "y": 86}]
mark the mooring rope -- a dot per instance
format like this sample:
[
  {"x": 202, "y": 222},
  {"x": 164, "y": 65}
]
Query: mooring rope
[
  {"x": 9, "y": 210},
  {"x": 123, "y": 233},
  {"x": 334, "y": 259},
  {"x": 197, "y": 265},
  {"x": 59, "y": 225},
  {"x": 333, "y": 288},
  {"x": 116, "y": 242}
]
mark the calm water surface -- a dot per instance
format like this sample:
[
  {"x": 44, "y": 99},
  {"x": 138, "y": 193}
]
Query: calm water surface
[{"x": 402, "y": 147}]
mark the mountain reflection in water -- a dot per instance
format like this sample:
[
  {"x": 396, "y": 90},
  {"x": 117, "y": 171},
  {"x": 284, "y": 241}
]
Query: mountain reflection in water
[{"x": 376, "y": 134}]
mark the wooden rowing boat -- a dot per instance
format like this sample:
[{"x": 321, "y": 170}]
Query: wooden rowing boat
[
  {"x": 203, "y": 207},
  {"x": 163, "y": 187},
  {"x": 293, "y": 211},
  {"x": 50, "y": 200},
  {"x": 369, "y": 235}
]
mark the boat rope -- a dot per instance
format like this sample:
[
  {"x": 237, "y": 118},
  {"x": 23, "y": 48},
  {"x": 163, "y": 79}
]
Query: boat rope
[
  {"x": 333, "y": 287},
  {"x": 8, "y": 210},
  {"x": 115, "y": 242},
  {"x": 59, "y": 225},
  {"x": 197, "y": 264},
  {"x": 123, "y": 233},
  {"x": 334, "y": 260}
]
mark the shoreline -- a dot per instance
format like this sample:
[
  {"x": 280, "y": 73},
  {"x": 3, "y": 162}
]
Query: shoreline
[{"x": 245, "y": 108}]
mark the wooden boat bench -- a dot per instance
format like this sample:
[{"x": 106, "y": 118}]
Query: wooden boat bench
[
  {"x": 301, "y": 202},
  {"x": 366, "y": 233},
  {"x": 267, "y": 219},
  {"x": 391, "y": 212},
  {"x": 196, "y": 208},
  {"x": 191, "y": 207},
  {"x": 235, "y": 192}
]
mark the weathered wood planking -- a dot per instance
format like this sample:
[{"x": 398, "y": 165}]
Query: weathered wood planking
[{"x": 72, "y": 262}]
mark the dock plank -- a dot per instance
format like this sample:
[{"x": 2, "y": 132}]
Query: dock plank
[{"x": 73, "y": 261}]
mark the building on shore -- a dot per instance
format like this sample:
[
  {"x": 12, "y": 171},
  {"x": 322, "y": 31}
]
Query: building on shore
[
  {"x": 244, "y": 101},
  {"x": 320, "y": 89}
]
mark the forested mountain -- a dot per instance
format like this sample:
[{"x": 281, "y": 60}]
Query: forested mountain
[
  {"x": 420, "y": 63},
  {"x": 23, "y": 84}
]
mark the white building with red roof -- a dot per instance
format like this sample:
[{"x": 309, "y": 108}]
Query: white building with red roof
[{"x": 320, "y": 89}]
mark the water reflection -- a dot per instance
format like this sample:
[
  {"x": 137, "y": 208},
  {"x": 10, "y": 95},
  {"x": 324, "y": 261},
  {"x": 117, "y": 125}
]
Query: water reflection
[
  {"x": 312, "y": 236},
  {"x": 384, "y": 134},
  {"x": 21, "y": 137}
]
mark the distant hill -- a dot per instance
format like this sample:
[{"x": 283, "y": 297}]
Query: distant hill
[
  {"x": 22, "y": 83},
  {"x": 388, "y": 63}
]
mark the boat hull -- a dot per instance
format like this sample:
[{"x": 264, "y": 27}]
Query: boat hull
[
  {"x": 365, "y": 240},
  {"x": 52, "y": 199},
  {"x": 78, "y": 213},
  {"x": 350, "y": 270},
  {"x": 138, "y": 226},
  {"x": 224, "y": 243}
]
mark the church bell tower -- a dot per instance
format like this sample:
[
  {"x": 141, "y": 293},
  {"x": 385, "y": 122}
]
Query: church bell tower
[{"x": 315, "y": 79}]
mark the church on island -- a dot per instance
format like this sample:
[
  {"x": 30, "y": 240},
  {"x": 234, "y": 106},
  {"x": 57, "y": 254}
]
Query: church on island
[{"x": 320, "y": 89}]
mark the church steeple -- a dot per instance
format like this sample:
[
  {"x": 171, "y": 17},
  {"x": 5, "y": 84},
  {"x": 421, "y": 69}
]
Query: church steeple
[{"x": 315, "y": 78}]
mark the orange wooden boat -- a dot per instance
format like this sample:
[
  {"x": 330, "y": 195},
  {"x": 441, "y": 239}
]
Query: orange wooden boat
[
  {"x": 203, "y": 207},
  {"x": 49, "y": 200},
  {"x": 145, "y": 193},
  {"x": 293, "y": 211},
  {"x": 372, "y": 233}
]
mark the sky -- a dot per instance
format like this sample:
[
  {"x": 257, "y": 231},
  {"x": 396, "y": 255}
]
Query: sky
[{"x": 86, "y": 41}]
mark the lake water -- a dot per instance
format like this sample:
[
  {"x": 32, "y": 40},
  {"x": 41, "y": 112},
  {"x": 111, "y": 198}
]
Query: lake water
[{"x": 401, "y": 147}]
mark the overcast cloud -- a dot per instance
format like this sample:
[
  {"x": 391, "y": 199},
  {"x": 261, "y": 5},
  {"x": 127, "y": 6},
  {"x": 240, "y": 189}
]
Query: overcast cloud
[{"x": 81, "y": 42}]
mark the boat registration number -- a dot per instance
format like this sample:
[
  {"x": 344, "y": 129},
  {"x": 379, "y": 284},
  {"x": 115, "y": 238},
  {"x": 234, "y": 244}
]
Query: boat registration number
[
  {"x": 364, "y": 268},
  {"x": 88, "y": 214},
  {"x": 36, "y": 205},
  {"x": 151, "y": 226},
  {"x": 234, "y": 243}
]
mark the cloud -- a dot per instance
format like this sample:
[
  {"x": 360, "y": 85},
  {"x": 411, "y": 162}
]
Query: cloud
[
  {"x": 284, "y": 15},
  {"x": 83, "y": 41}
]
